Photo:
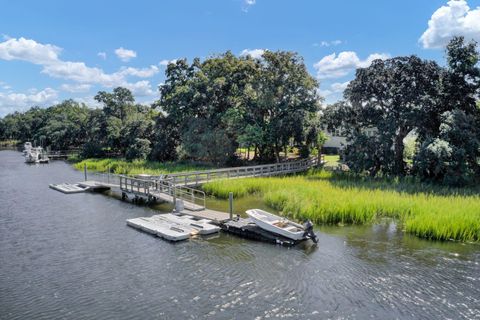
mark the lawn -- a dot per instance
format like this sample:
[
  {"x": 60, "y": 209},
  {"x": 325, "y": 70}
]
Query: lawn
[{"x": 120, "y": 166}]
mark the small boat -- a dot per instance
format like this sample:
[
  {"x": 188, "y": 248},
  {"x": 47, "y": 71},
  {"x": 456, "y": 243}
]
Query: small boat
[
  {"x": 36, "y": 155},
  {"x": 27, "y": 147},
  {"x": 282, "y": 226}
]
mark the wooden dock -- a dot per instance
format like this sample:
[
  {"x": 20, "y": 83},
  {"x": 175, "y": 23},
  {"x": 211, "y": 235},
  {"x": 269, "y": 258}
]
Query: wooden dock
[{"x": 217, "y": 217}]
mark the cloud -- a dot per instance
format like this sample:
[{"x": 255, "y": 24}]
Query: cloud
[
  {"x": 247, "y": 4},
  {"x": 166, "y": 62},
  {"x": 328, "y": 43},
  {"x": 74, "y": 88},
  {"x": 337, "y": 66},
  {"x": 28, "y": 50},
  {"x": 254, "y": 53},
  {"x": 47, "y": 56},
  {"x": 102, "y": 55},
  {"x": 141, "y": 88},
  {"x": 334, "y": 89},
  {"x": 20, "y": 101},
  {"x": 140, "y": 73},
  {"x": 125, "y": 55},
  {"x": 454, "y": 19}
]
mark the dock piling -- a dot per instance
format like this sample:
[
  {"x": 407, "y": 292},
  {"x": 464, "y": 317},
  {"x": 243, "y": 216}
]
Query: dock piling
[
  {"x": 85, "y": 171},
  {"x": 230, "y": 203}
]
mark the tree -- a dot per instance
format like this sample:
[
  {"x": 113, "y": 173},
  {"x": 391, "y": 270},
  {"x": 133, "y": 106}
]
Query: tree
[
  {"x": 286, "y": 95},
  {"x": 451, "y": 158},
  {"x": 140, "y": 149},
  {"x": 322, "y": 138},
  {"x": 395, "y": 96}
]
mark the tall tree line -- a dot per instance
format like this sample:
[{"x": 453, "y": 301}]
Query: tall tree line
[{"x": 207, "y": 109}]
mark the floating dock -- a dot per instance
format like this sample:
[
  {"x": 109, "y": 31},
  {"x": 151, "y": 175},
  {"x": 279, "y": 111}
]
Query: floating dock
[
  {"x": 68, "y": 188},
  {"x": 172, "y": 227}
]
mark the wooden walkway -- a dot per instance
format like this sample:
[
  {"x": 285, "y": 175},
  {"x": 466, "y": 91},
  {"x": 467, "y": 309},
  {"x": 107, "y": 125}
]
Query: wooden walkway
[
  {"x": 196, "y": 178},
  {"x": 173, "y": 187}
]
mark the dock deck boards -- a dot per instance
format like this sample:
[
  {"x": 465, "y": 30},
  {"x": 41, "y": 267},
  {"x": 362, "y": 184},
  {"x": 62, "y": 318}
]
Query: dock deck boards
[
  {"x": 217, "y": 217},
  {"x": 168, "y": 198}
]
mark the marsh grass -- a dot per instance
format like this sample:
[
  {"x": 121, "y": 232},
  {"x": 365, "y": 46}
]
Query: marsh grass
[
  {"x": 9, "y": 143},
  {"x": 427, "y": 211},
  {"x": 120, "y": 166}
]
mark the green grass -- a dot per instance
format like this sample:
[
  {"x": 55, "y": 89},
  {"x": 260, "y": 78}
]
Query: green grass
[
  {"x": 427, "y": 211},
  {"x": 9, "y": 143},
  {"x": 120, "y": 166}
]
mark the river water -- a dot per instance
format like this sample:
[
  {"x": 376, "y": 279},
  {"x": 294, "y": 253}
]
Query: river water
[{"x": 73, "y": 257}]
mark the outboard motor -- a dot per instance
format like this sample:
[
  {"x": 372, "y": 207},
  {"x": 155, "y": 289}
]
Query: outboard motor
[{"x": 309, "y": 231}]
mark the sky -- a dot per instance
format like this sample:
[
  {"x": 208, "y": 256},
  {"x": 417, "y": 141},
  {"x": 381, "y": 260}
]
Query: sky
[{"x": 54, "y": 50}]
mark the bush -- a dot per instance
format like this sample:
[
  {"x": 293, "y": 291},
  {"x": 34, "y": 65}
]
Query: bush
[
  {"x": 139, "y": 150},
  {"x": 92, "y": 150}
]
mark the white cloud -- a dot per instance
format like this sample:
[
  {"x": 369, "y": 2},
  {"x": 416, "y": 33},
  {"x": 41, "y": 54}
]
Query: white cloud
[
  {"x": 328, "y": 43},
  {"x": 339, "y": 86},
  {"x": 166, "y": 62},
  {"x": 20, "y": 101},
  {"x": 141, "y": 73},
  {"x": 247, "y": 4},
  {"x": 337, "y": 66},
  {"x": 28, "y": 50},
  {"x": 454, "y": 19},
  {"x": 74, "y": 88},
  {"x": 141, "y": 88},
  {"x": 47, "y": 56},
  {"x": 102, "y": 55},
  {"x": 334, "y": 89},
  {"x": 79, "y": 72},
  {"x": 125, "y": 55},
  {"x": 254, "y": 53}
]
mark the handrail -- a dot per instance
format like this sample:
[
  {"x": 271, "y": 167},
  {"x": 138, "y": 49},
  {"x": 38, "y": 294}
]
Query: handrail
[{"x": 197, "y": 177}]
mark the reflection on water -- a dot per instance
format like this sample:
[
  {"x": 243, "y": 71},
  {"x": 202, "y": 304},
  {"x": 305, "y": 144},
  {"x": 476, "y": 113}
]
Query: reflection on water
[{"x": 72, "y": 256}]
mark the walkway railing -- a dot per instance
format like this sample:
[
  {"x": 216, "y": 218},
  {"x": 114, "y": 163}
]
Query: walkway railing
[{"x": 200, "y": 177}]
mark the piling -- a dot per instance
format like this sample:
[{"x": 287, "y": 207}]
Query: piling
[
  {"x": 85, "y": 171},
  {"x": 230, "y": 204}
]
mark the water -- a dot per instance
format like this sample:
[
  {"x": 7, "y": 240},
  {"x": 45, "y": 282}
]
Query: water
[{"x": 72, "y": 256}]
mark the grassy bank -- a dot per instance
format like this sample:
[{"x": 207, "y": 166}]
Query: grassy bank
[
  {"x": 426, "y": 211},
  {"x": 120, "y": 166},
  {"x": 9, "y": 143}
]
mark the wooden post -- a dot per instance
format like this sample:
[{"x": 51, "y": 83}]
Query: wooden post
[
  {"x": 230, "y": 204},
  {"x": 174, "y": 198},
  {"x": 85, "y": 171}
]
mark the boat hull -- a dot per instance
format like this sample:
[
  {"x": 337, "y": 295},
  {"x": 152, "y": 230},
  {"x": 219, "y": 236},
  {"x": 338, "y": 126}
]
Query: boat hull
[{"x": 268, "y": 226}]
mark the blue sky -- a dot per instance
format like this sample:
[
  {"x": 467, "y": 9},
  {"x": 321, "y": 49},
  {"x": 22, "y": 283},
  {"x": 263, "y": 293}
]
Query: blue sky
[{"x": 53, "y": 50}]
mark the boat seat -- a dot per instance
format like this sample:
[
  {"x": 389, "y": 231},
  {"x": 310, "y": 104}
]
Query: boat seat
[{"x": 292, "y": 229}]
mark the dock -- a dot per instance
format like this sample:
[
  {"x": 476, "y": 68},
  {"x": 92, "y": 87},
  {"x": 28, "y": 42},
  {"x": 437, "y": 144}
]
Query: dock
[
  {"x": 178, "y": 189},
  {"x": 172, "y": 227}
]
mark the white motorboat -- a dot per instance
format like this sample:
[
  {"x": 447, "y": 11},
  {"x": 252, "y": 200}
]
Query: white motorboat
[
  {"x": 27, "y": 147},
  {"x": 36, "y": 155},
  {"x": 281, "y": 226}
]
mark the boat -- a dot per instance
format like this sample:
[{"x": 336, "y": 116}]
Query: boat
[
  {"x": 282, "y": 226},
  {"x": 36, "y": 155},
  {"x": 27, "y": 147}
]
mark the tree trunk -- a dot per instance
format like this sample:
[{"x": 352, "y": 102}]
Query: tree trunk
[
  {"x": 277, "y": 153},
  {"x": 319, "y": 155},
  {"x": 248, "y": 153},
  {"x": 398, "y": 152}
]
